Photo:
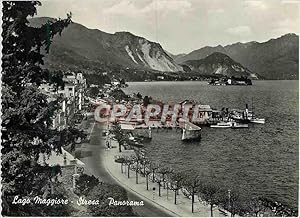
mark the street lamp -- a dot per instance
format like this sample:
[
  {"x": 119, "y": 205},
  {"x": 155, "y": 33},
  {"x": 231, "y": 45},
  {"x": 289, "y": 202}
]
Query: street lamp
[
  {"x": 229, "y": 205},
  {"x": 175, "y": 188},
  {"x": 153, "y": 189}
]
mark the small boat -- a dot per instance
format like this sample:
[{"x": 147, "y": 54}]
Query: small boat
[
  {"x": 222, "y": 125},
  {"x": 257, "y": 120},
  {"x": 246, "y": 116},
  {"x": 233, "y": 125},
  {"x": 239, "y": 125}
]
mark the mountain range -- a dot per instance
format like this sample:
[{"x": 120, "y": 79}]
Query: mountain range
[
  {"x": 274, "y": 59},
  {"x": 81, "y": 48},
  {"x": 219, "y": 64},
  {"x": 92, "y": 50}
]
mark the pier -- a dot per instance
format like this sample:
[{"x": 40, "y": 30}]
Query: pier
[{"x": 190, "y": 131}]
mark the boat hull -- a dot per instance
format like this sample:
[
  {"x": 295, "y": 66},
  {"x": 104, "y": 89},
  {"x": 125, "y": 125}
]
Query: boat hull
[
  {"x": 258, "y": 121},
  {"x": 232, "y": 125},
  {"x": 216, "y": 126},
  {"x": 240, "y": 126}
]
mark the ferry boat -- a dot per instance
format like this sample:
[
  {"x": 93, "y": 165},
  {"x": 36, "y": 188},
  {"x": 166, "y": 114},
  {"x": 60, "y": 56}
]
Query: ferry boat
[
  {"x": 246, "y": 116},
  {"x": 233, "y": 125}
]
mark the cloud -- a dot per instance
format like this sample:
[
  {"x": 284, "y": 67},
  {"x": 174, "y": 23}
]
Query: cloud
[
  {"x": 129, "y": 8},
  {"x": 256, "y": 4},
  {"x": 181, "y": 6},
  {"x": 240, "y": 30},
  {"x": 216, "y": 11},
  {"x": 290, "y": 1},
  {"x": 171, "y": 22},
  {"x": 124, "y": 7},
  {"x": 285, "y": 26}
]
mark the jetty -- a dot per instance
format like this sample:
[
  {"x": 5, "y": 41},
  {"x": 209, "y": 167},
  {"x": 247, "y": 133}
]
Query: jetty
[{"x": 190, "y": 131}]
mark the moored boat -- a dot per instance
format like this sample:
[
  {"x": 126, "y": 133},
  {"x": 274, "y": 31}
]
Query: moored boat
[
  {"x": 233, "y": 125},
  {"x": 257, "y": 120},
  {"x": 222, "y": 125},
  {"x": 246, "y": 116},
  {"x": 239, "y": 125}
]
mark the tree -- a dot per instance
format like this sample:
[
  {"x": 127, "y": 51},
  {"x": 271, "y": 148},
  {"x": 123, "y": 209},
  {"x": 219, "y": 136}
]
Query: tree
[
  {"x": 193, "y": 184},
  {"x": 278, "y": 209},
  {"x": 146, "y": 100},
  {"x": 139, "y": 96},
  {"x": 26, "y": 112},
  {"x": 119, "y": 134},
  {"x": 145, "y": 170},
  {"x": 122, "y": 81},
  {"x": 119, "y": 94},
  {"x": 137, "y": 159},
  {"x": 22, "y": 44},
  {"x": 93, "y": 91},
  {"x": 104, "y": 193},
  {"x": 234, "y": 202},
  {"x": 97, "y": 79},
  {"x": 177, "y": 179},
  {"x": 153, "y": 168},
  {"x": 122, "y": 161},
  {"x": 210, "y": 192},
  {"x": 163, "y": 171},
  {"x": 56, "y": 78},
  {"x": 255, "y": 206},
  {"x": 129, "y": 161},
  {"x": 68, "y": 135},
  {"x": 54, "y": 210},
  {"x": 145, "y": 162}
]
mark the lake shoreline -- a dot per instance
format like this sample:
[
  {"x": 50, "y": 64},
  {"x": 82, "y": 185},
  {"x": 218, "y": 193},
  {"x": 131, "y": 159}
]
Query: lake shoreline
[{"x": 255, "y": 152}]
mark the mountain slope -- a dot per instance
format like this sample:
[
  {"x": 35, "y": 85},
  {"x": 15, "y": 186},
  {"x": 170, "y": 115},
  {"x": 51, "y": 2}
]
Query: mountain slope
[
  {"x": 175, "y": 57},
  {"x": 201, "y": 53},
  {"x": 219, "y": 64},
  {"x": 81, "y": 48},
  {"x": 274, "y": 59}
]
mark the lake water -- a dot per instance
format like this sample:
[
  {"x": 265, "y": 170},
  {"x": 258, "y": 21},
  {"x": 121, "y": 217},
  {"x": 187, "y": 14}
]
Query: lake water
[{"x": 262, "y": 159}]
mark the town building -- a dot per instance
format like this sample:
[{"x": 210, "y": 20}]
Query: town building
[{"x": 71, "y": 98}]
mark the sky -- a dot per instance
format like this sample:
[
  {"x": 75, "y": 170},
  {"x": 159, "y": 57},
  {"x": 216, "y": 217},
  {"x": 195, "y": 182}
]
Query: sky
[{"x": 182, "y": 26}]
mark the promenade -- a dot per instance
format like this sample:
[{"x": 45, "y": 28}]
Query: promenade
[
  {"x": 101, "y": 163},
  {"x": 165, "y": 201},
  {"x": 94, "y": 164}
]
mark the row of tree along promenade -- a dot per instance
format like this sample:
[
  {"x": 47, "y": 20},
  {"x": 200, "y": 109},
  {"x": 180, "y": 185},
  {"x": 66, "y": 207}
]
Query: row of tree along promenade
[{"x": 206, "y": 190}]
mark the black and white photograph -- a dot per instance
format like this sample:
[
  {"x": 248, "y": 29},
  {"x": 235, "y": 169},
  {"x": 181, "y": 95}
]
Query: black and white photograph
[{"x": 150, "y": 108}]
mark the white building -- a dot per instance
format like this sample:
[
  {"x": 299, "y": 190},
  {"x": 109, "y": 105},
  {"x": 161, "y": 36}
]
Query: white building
[{"x": 73, "y": 98}]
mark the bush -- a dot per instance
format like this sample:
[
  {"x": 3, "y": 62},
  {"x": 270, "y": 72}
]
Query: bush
[
  {"x": 119, "y": 94},
  {"x": 85, "y": 183}
]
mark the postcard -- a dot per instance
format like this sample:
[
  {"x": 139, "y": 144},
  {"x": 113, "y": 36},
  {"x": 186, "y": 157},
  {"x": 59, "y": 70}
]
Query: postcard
[{"x": 150, "y": 108}]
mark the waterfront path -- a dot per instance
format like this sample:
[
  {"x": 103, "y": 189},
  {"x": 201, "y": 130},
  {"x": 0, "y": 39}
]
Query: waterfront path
[
  {"x": 94, "y": 164},
  {"x": 166, "y": 201},
  {"x": 101, "y": 164}
]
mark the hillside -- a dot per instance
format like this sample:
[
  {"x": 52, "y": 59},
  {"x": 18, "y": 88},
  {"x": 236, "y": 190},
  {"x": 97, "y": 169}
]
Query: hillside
[
  {"x": 219, "y": 64},
  {"x": 275, "y": 59},
  {"x": 89, "y": 49},
  {"x": 175, "y": 57},
  {"x": 80, "y": 48}
]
